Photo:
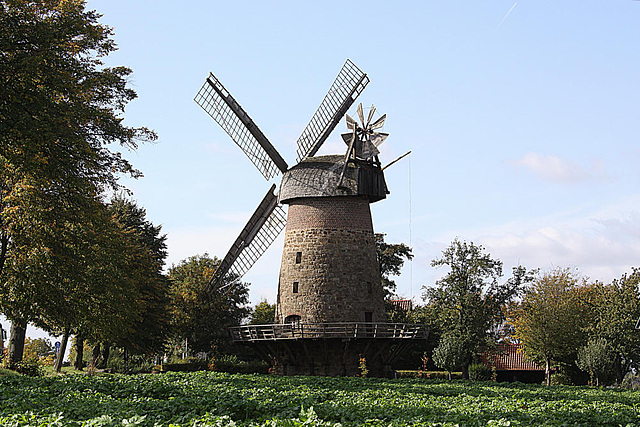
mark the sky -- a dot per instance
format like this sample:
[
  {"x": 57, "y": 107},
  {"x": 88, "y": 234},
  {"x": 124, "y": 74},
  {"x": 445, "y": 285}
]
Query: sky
[{"x": 521, "y": 116}]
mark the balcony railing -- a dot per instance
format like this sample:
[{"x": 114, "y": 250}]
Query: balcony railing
[{"x": 329, "y": 330}]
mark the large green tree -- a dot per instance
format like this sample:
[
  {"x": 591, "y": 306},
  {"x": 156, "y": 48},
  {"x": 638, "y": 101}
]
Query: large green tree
[
  {"x": 147, "y": 333},
  {"x": 200, "y": 315},
  {"x": 551, "y": 318},
  {"x": 60, "y": 113},
  {"x": 467, "y": 302},
  {"x": 615, "y": 310},
  {"x": 128, "y": 291}
]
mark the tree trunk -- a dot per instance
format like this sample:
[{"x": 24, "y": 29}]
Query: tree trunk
[
  {"x": 619, "y": 370},
  {"x": 547, "y": 371},
  {"x": 105, "y": 355},
  {"x": 465, "y": 371},
  {"x": 77, "y": 364},
  {"x": 95, "y": 355},
  {"x": 16, "y": 339},
  {"x": 63, "y": 348}
]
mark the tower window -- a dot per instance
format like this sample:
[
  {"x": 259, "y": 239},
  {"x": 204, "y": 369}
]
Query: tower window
[
  {"x": 293, "y": 319},
  {"x": 295, "y": 287},
  {"x": 298, "y": 257},
  {"x": 369, "y": 287}
]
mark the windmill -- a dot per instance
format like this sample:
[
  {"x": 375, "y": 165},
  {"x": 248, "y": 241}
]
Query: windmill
[{"x": 329, "y": 273}]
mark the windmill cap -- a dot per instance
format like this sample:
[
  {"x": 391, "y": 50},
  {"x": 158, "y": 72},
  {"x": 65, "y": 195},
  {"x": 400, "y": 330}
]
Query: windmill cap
[{"x": 319, "y": 177}]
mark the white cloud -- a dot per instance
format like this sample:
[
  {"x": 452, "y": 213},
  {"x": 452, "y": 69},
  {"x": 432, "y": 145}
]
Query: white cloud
[
  {"x": 601, "y": 245},
  {"x": 555, "y": 169}
]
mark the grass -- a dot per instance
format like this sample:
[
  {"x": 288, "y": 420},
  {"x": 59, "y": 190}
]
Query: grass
[
  {"x": 66, "y": 370},
  {"x": 8, "y": 373}
]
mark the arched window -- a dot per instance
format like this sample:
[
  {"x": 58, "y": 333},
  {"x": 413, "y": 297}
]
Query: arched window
[{"x": 292, "y": 319}]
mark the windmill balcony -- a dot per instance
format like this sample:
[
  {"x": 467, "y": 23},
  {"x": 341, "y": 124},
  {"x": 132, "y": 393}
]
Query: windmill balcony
[{"x": 344, "y": 330}]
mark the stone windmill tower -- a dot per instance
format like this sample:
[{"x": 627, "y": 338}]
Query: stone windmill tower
[{"x": 329, "y": 286}]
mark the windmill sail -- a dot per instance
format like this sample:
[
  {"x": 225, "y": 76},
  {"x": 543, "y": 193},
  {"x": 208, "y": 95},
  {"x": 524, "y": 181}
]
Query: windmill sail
[
  {"x": 350, "y": 82},
  {"x": 261, "y": 230},
  {"x": 223, "y": 108}
]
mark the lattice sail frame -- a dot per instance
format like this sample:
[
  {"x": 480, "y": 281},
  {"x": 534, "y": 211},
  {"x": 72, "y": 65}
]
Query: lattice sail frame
[
  {"x": 264, "y": 226},
  {"x": 225, "y": 110},
  {"x": 347, "y": 86}
]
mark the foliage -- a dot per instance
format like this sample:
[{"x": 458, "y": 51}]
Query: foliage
[
  {"x": 631, "y": 381},
  {"x": 479, "y": 372},
  {"x": 449, "y": 354},
  {"x": 209, "y": 398},
  {"x": 7, "y": 372},
  {"x": 467, "y": 302},
  {"x": 231, "y": 364},
  {"x": 391, "y": 257},
  {"x": 37, "y": 347},
  {"x": 362, "y": 367},
  {"x": 29, "y": 366},
  {"x": 548, "y": 321},
  {"x": 615, "y": 309},
  {"x": 263, "y": 314},
  {"x": 596, "y": 358},
  {"x": 433, "y": 375},
  {"x": 134, "y": 364},
  {"x": 60, "y": 117},
  {"x": 147, "y": 331},
  {"x": 560, "y": 377},
  {"x": 200, "y": 316}
]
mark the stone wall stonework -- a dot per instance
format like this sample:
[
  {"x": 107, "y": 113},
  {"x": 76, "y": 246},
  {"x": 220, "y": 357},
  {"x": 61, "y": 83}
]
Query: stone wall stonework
[{"x": 329, "y": 270}]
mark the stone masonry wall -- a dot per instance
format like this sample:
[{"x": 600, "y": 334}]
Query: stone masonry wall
[{"x": 329, "y": 270}]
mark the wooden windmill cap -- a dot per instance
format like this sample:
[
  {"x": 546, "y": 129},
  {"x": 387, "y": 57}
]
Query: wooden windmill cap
[{"x": 319, "y": 177}]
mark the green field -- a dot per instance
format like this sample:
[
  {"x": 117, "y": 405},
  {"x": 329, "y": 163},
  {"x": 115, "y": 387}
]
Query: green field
[{"x": 212, "y": 399}]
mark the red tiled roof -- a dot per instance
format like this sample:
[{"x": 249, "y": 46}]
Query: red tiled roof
[
  {"x": 402, "y": 304},
  {"x": 510, "y": 357}
]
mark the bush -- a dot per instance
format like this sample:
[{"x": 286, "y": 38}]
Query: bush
[
  {"x": 561, "y": 378},
  {"x": 136, "y": 364},
  {"x": 631, "y": 382},
  {"x": 184, "y": 367},
  {"x": 232, "y": 365},
  {"x": 30, "y": 366},
  {"x": 479, "y": 372}
]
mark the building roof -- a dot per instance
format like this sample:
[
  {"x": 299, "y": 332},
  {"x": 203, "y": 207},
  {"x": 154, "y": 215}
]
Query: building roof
[
  {"x": 402, "y": 304},
  {"x": 509, "y": 357},
  {"x": 319, "y": 177}
]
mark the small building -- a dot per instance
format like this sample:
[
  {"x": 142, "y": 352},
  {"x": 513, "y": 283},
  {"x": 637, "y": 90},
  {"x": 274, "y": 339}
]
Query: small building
[{"x": 511, "y": 364}]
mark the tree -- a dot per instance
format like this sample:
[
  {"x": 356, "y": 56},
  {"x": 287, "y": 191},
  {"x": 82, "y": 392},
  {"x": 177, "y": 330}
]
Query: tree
[
  {"x": 198, "y": 315},
  {"x": 60, "y": 111},
  {"x": 391, "y": 258},
  {"x": 450, "y": 353},
  {"x": 468, "y": 300},
  {"x": 549, "y": 319},
  {"x": 596, "y": 358},
  {"x": 263, "y": 314},
  {"x": 616, "y": 309},
  {"x": 148, "y": 332}
]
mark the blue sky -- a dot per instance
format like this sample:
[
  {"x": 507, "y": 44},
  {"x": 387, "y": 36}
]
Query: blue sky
[{"x": 521, "y": 117}]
